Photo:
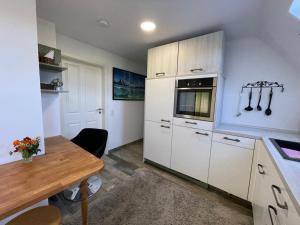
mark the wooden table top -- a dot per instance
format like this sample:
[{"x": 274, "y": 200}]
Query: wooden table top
[{"x": 24, "y": 184}]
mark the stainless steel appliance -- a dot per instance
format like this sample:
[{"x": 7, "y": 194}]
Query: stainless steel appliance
[{"x": 195, "y": 98}]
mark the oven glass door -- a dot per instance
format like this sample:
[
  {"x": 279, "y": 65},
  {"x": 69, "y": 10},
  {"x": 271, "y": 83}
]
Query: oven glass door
[{"x": 193, "y": 103}]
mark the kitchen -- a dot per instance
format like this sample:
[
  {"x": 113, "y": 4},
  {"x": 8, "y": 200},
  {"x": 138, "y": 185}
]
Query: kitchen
[{"x": 196, "y": 101}]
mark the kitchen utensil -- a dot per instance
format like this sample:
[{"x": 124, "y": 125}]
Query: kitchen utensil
[
  {"x": 249, "y": 108},
  {"x": 238, "y": 113},
  {"x": 268, "y": 111},
  {"x": 259, "y": 99}
]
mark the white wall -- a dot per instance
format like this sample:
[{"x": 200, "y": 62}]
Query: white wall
[
  {"x": 124, "y": 118},
  {"x": 50, "y": 102},
  {"x": 249, "y": 60},
  {"x": 20, "y": 98}
]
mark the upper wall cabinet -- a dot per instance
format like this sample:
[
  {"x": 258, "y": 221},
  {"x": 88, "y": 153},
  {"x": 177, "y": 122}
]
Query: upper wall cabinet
[
  {"x": 162, "y": 61},
  {"x": 201, "y": 55}
]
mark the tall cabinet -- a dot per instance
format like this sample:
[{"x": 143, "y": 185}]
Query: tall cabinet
[{"x": 172, "y": 142}]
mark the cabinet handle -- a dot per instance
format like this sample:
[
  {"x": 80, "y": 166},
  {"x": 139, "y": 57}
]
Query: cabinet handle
[
  {"x": 230, "y": 139},
  {"x": 165, "y": 126},
  {"x": 195, "y": 70},
  {"x": 270, "y": 213},
  {"x": 205, "y": 134},
  {"x": 194, "y": 123},
  {"x": 284, "y": 205},
  {"x": 260, "y": 169},
  {"x": 160, "y": 74},
  {"x": 163, "y": 120}
]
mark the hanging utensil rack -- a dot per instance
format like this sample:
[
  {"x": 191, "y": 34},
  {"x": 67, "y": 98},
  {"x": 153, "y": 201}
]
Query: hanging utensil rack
[{"x": 263, "y": 84}]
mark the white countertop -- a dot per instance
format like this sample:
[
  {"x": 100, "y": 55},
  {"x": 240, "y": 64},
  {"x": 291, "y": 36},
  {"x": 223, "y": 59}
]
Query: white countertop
[{"x": 288, "y": 170}]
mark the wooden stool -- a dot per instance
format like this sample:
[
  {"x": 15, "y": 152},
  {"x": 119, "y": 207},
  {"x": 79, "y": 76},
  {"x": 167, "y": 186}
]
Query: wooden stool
[{"x": 44, "y": 215}]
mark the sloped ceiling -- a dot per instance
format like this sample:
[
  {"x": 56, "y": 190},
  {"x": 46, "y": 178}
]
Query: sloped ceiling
[{"x": 175, "y": 19}]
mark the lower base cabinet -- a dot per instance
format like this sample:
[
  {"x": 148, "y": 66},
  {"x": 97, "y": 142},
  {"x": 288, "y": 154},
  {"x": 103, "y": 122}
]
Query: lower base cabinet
[
  {"x": 191, "y": 152},
  {"x": 271, "y": 202},
  {"x": 230, "y": 168},
  {"x": 158, "y": 142}
]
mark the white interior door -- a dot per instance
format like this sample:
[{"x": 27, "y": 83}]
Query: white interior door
[{"x": 82, "y": 106}]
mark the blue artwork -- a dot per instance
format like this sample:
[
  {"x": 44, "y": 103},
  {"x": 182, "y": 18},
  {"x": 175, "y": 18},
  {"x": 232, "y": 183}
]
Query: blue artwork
[{"x": 128, "y": 86}]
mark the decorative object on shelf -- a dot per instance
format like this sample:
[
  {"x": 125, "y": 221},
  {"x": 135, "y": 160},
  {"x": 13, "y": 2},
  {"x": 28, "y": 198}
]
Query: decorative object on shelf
[
  {"x": 57, "y": 83},
  {"x": 47, "y": 86},
  {"x": 27, "y": 147},
  {"x": 49, "y": 55},
  {"x": 128, "y": 86},
  {"x": 261, "y": 85}
]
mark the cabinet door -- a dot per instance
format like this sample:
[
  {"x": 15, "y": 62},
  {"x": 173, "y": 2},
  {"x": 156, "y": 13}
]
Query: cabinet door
[
  {"x": 162, "y": 61},
  {"x": 201, "y": 55},
  {"x": 159, "y": 99},
  {"x": 230, "y": 168},
  {"x": 157, "y": 143},
  {"x": 191, "y": 151}
]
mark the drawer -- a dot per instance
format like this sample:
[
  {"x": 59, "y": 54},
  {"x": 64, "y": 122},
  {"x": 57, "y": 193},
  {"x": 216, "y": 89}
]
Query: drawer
[
  {"x": 196, "y": 124},
  {"x": 234, "y": 140}
]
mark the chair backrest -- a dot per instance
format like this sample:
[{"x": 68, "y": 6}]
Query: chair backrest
[{"x": 92, "y": 140}]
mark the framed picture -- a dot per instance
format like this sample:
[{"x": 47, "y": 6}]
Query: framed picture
[{"x": 128, "y": 86}]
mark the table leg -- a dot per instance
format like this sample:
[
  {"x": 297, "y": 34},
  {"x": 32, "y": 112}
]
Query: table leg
[{"x": 84, "y": 202}]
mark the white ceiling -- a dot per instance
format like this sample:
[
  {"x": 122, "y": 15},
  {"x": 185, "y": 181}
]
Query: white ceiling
[{"x": 175, "y": 19}]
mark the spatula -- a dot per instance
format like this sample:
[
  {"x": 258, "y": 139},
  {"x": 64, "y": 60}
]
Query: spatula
[{"x": 249, "y": 108}]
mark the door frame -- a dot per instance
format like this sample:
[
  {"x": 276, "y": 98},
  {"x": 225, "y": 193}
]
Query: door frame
[{"x": 104, "y": 91}]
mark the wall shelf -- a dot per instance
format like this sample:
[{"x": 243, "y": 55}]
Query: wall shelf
[
  {"x": 53, "y": 91},
  {"x": 53, "y": 68}
]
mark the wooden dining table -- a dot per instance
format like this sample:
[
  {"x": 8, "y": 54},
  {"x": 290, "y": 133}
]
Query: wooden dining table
[{"x": 63, "y": 165}]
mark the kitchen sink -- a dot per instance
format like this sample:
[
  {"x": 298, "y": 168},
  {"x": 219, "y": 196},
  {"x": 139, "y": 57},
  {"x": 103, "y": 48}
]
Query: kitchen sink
[{"x": 289, "y": 150}]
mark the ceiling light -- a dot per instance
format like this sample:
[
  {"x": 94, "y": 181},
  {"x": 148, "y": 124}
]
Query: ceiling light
[
  {"x": 103, "y": 23},
  {"x": 148, "y": 26}
]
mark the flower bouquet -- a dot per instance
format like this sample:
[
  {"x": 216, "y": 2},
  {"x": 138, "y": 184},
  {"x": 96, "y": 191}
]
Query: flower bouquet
[{"x": 27, "y": 147}]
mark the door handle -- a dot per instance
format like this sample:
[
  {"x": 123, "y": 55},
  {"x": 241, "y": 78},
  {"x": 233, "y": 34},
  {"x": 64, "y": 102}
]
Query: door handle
[
  {"x": 260, "y": 169},
  {"x": 230, "y": 139},
  {"x": 99, "y": 110},
  {"x": 160, "y": 74},
  {"x": 163, "y": 120},
  {"x": 194, "y": 123},
  {"x": 204, "y": 134},
  {"x": 284, "y": 205},
  {"x": 197, "y": 69},
  {"x": 270, "y": 213},
  {"x": 165, "y": 126}
]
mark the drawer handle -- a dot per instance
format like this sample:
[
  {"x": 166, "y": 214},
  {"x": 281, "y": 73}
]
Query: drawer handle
[
  {"x": 230, "y": 139},
  {"x": 195, "y": 70},
  {"x": 204, "y": 134},
  {"x": 194, "y": 123},
  {"x": 284, "y": 205},
  {"x": 163, "y": 120},
  {"x": 260, "y": 169},
  {"x": 272, "y": 208},
  {"x": 165, "y": 126},
  {"x": 160, "y": 74}
]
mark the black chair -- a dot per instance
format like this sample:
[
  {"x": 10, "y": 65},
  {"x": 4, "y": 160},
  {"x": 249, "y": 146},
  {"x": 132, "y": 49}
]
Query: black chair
[{"x": 94, "y": 141}]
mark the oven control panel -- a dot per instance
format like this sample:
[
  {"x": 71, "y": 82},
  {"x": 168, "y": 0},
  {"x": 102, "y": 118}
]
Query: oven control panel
[{"x": 195, "y": 83}]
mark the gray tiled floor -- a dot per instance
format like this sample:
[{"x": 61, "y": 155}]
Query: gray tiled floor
[{"x": 121, "y": 164}]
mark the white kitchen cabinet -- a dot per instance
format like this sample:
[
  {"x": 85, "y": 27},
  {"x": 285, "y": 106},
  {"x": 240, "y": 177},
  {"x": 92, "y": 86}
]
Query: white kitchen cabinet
[
  {"x": 230, "y": 168},
  {"x": 162, "y": 61},
  {"x": 270, "y": 196},
  {"x": 157, "y": 142},
  {"x": 159, "y": 100},
  {"x": 191, "y": 151},
  {"x": 201, "y": 55}
]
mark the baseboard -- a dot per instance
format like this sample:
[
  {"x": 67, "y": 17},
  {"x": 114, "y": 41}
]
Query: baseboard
[{"x": 122, "y": 146}]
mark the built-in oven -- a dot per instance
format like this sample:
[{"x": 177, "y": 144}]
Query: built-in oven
[{"x": 195, "y": 98}]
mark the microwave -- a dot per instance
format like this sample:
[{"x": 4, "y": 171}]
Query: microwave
[{"x": 195, "y": 98}]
